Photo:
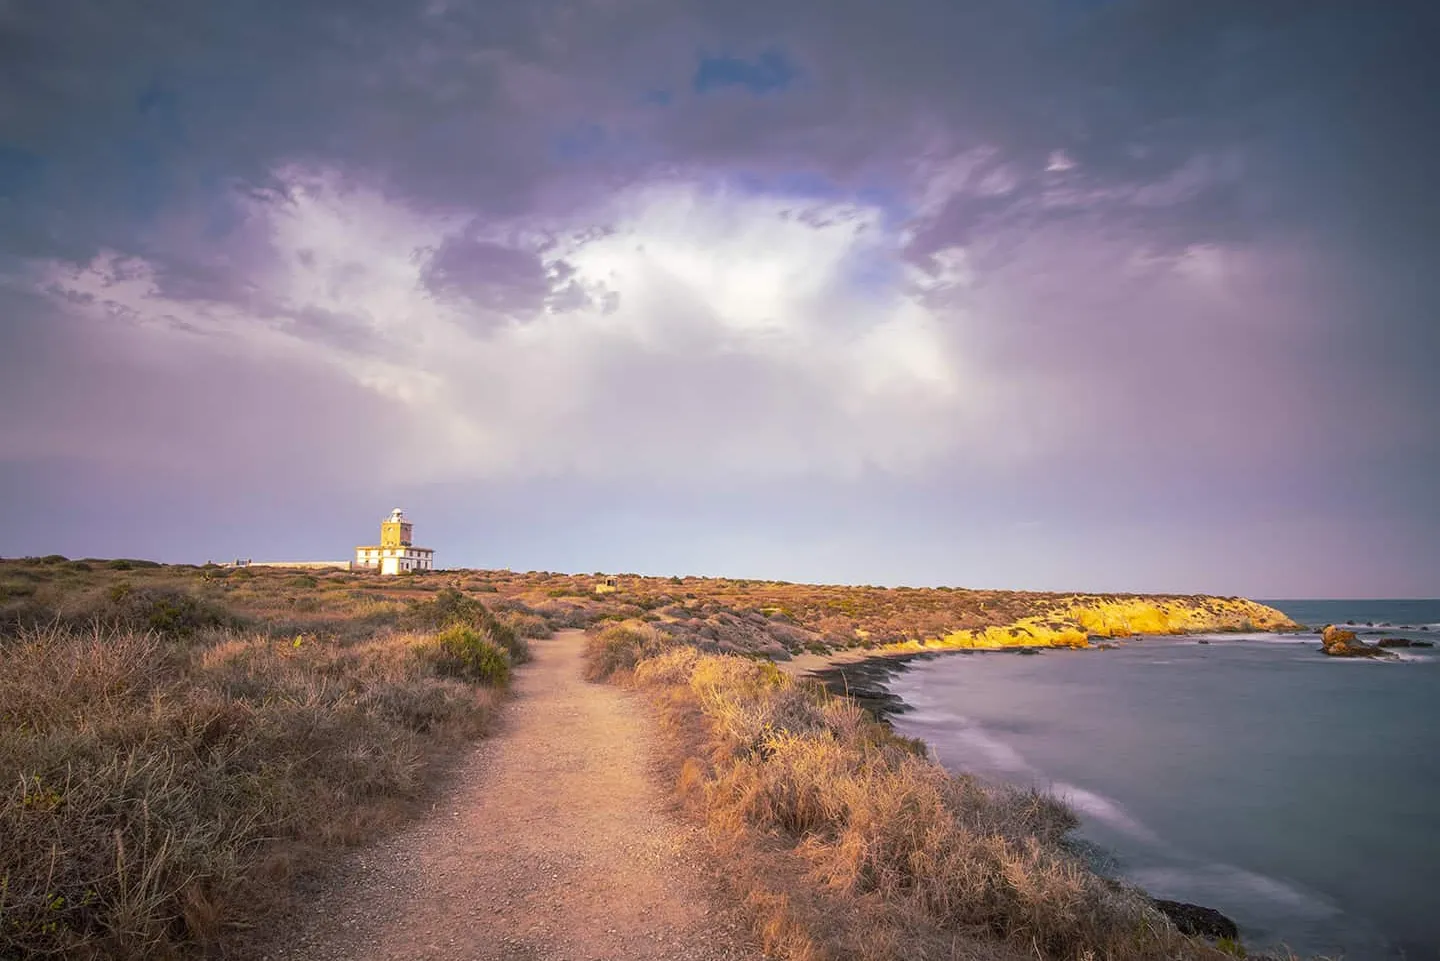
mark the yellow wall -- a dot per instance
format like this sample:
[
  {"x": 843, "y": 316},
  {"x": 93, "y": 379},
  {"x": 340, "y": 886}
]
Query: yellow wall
[{"x": 394, "y": 534}]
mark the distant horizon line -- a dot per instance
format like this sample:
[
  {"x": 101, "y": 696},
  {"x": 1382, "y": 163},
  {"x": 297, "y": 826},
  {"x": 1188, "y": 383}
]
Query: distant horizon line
[{"x": 735, "y": 577}]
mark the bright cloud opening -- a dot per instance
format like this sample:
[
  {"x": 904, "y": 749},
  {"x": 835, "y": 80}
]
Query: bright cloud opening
[{"x": 674, "y": 330}]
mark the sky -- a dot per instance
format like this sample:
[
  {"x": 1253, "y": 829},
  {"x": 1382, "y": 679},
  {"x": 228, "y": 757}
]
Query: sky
[{"x": 1120, "y": 295}]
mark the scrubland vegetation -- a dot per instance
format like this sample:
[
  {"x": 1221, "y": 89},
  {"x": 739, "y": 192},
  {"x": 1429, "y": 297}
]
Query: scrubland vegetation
[
  {"x": 178, "y": 744},
  {"x": 175, "y": 748},
  {"x": 847, "y": 842},
  {"x": 777, "y": 620}
]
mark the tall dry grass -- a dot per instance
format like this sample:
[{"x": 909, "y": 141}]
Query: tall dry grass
[
  {"x": 848, "y": 842},
  {"x": 618, "y": 648},
  {"x": 158, "y": 791}
]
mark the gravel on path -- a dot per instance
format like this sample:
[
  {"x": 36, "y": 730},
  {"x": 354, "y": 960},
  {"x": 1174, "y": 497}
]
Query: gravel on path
[{"x": 554, "y": 843}]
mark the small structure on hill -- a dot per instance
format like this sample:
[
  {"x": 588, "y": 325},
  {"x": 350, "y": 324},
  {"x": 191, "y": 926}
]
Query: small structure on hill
[
  {"x": 302, "y": 565},
  {"x": 396, "y": 553},
  {"x": 608, "y": 586}
]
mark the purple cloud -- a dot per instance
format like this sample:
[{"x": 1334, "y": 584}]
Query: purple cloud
[{"x": 1141, "y": 271}]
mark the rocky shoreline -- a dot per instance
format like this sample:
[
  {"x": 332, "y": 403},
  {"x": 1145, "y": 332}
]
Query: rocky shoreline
[
  {"x": 866, "y": 679},
  {"x": 867, "y": 682}
]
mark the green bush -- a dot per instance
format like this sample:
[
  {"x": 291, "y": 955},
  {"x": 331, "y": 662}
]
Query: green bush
[
  {"x": 450, "y": 607},
  {"x": 130, "y": 563},
  {"x": 516, "y": 646},
  {"x": 471, "y": 655}
]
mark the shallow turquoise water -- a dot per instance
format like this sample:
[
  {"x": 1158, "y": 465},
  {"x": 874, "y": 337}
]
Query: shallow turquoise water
[{"x": 1295, "y": 792}]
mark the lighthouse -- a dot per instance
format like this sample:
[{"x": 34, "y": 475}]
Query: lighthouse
[{"x": 396, "y": 553}]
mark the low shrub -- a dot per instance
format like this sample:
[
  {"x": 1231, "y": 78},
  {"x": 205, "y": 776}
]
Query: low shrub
[
  {"x": 620, "y": 647},
  {"x": 471, "y": 655},
  {"x": 131, "y": 563},
  {"x": 562, "y": 614},
  {"x": 528, "y": 625},
  {"x": 450, "y": 607},
  {"x": 170, "y": 612}
]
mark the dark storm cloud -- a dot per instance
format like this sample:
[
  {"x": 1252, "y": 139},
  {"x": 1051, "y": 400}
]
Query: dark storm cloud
[
  {"x": 130, "y": 107},
  {"x": 129, "y": 104}
]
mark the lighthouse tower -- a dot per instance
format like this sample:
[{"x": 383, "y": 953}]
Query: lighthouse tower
[{"x": 396, "y": 553}]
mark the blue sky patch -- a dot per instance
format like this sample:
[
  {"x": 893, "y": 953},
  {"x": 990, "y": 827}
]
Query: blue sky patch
[
  {"x": 583, "y": 141},
  {"x": 769, "y": 72},
  {"x": 20, "y": 170},
  {"x": 809, "y": 185}
]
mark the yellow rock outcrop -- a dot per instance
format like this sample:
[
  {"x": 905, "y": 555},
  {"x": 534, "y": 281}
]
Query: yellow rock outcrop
[{"x": 1079, "y": 617}]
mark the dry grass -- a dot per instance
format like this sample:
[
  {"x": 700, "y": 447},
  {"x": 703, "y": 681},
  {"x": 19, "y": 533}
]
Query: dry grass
[
  {"x": 619, "y": 647},
  {"x": 176, "y": 741},
  {"x": 167, "y": 766},
  {"x": 777, "y": 619},
  {"x": 773, "y": 619},
  {"x": 848, "y": 842}
]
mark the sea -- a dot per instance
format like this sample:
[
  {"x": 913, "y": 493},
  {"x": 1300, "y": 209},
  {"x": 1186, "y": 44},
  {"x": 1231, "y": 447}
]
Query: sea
[{"x": 1297, "y": 793}]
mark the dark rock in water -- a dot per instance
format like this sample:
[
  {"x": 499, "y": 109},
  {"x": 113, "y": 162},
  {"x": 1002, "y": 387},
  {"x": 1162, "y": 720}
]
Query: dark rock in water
[
  {"x": 1402, "y": 642},
  {"x": 1203, "y": 641},
  {"x": 1196, "y": 920},
  {"x": 1103, "y": 646},
  {"x": 1027, "y": 650},
  {"x": 1338, "y": 643}
]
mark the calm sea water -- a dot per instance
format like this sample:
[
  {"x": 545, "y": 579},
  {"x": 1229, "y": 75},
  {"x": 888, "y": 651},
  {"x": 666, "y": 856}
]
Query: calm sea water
[{"x": 1297, "y": 793}]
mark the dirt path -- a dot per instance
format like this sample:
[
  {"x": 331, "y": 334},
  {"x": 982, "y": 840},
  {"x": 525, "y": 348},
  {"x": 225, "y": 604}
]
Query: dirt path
[{"x": 555, "y": 843}]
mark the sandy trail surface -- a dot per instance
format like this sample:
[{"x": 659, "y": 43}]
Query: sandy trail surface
[{"x": 555, "y": 841}]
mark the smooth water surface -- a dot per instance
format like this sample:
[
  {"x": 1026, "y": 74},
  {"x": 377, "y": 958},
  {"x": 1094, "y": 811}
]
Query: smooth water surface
[{"x": 1293, "y": 791}]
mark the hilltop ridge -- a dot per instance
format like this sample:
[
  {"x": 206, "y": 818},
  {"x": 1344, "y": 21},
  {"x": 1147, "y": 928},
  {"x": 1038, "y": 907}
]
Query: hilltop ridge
[
  {"x": 779, "y": 618},
  {"x": 776, "y": 619}
]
